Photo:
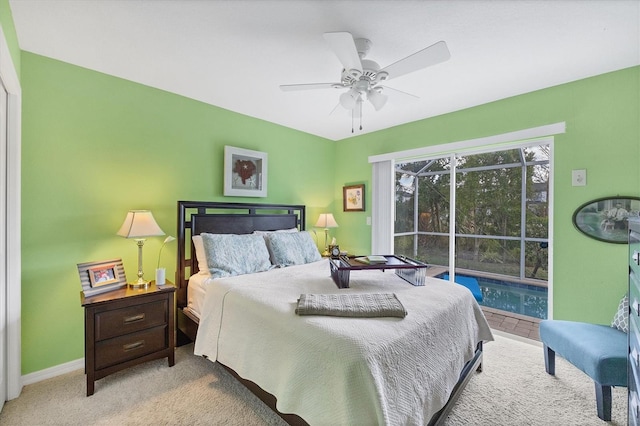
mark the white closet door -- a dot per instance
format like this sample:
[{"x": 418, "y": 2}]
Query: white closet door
[{"x": 3, "y": 244}]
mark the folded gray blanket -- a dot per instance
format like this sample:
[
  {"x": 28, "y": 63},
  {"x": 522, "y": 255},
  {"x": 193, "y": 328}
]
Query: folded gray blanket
[{"x": 351, "y": 305}]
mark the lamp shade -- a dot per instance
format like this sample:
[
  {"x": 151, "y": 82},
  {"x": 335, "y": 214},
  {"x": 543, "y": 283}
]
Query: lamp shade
[
  {"x": 139, "y": 224},
  {"x": 326, "y": 220}
]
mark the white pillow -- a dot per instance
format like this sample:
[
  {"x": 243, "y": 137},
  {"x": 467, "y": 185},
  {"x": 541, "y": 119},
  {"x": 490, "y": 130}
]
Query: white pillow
[
  {"x": 292, "y": 248},
  {"x": 200, "y": 255},
  {"x": 232, "y": 254},
  {"x": 278, "y": 230}
]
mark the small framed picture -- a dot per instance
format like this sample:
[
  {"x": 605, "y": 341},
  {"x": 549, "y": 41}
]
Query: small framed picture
[
  {"x": 353, "y": 198},
  {"x": 245, "y": 172},
  {"x": 100, "y": 277},
  {"x": 103, "y": 275}
]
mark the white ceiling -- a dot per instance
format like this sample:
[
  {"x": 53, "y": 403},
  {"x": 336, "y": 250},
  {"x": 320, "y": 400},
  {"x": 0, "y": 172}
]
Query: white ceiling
[{"x": 235, "y": 54}]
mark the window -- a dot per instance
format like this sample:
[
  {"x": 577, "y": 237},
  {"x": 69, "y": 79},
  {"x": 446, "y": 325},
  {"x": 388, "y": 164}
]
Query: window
[{"x": 496, "y": 201}]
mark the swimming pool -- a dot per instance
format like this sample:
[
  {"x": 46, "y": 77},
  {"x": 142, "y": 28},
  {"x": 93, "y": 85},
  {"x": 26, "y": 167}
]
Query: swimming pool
[{"x": 523, "y": 299}]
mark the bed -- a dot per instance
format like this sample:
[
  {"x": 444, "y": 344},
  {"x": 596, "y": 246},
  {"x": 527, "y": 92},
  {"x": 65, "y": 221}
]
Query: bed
[{"x": 320, "y": 369}]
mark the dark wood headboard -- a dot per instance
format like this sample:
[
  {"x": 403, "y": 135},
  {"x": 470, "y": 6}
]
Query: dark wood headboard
[{"x": 196, "y": 217}]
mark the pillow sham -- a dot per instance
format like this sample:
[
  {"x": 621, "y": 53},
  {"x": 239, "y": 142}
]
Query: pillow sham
[
  {"x": 201, "y": 256},
  {"x": 265, "y": 234},
  {"x": 278, "y": 230},
  {"x": 292, "y": 248},
  {"x": 232, "y": 254}
]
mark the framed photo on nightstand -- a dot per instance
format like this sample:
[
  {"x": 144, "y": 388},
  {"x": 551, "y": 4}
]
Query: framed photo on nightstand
[{"x": 100, "y": 277}]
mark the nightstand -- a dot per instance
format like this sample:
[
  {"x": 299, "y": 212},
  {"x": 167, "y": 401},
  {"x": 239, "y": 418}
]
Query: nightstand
[{"x": 127, "y": 327}]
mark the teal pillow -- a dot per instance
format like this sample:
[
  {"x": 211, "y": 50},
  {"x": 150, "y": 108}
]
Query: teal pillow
[
  {"x": 231, "y": 254},
  {"x": 292, "y": 248}
]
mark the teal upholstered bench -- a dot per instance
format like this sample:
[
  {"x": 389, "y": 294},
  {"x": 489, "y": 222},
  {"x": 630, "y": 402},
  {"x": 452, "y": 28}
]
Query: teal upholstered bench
[{"x": 599, "y": 351}]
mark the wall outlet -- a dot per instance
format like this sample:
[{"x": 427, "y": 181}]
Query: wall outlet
[{"x": 579, "y": 177}]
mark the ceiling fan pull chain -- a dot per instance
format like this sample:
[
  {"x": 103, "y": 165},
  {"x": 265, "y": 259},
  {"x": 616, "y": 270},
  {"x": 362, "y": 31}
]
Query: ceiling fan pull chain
[
  {"x": 352, "y": 113},
  {"x": 360, "y": 116}
]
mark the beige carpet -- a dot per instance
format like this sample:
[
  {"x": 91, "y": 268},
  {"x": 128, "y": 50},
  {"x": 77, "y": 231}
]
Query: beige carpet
[{"x": 513, "y": 389}]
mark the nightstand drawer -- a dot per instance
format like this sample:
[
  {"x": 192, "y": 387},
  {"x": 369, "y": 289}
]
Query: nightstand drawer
[
  {"x": 134, "y": 345},
  {"x": 122, "y": 321}
]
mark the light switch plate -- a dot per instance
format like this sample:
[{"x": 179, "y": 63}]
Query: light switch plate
[{"x": 579, "y": 177}]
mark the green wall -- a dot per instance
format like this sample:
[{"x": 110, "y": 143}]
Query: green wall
[
  {"x": 95, "y": 146},
  {"x": 9, "y": 30},
  {"x": 603, "y": 136}
]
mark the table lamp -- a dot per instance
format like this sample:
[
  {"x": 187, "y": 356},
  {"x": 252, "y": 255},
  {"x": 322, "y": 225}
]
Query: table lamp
[
  {"x": 326, "y": 221},
  {"x": 138, "y": 225}
]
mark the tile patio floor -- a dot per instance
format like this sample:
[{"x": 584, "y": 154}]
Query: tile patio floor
[{"x": 508, "y": 322}]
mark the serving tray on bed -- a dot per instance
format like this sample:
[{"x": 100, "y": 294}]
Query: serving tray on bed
[{"x": 412, "y": 271}]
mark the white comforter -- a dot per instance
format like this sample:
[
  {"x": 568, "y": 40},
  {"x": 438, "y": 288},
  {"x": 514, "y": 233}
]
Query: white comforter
[{"x": 343, "y": 371}]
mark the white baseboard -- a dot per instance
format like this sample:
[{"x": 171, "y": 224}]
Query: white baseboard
[{"x": 48, "y": 373}]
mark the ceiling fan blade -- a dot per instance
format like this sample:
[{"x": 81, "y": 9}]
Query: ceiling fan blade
[
  {"x": 432, "y": 55},
  {"x": 398, "y": 95},
  {"x": 336, "y": 108},
  {"x": 310, "y": 86},
  {"x": 344, "y": 47}
]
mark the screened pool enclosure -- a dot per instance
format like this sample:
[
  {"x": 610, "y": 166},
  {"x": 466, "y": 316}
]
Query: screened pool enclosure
[{"x": 497, "y": 203}]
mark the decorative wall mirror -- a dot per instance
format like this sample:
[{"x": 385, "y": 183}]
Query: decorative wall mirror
[{"x": 607, "y": 219}]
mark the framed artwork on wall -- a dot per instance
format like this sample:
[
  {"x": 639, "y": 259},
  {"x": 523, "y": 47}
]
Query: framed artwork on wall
[
  {"x": 100, "y": 277},
  {"x": 607, "y": 219},
  {"x": 245, "y": 172},
  {"x": 353, "y": 198}
]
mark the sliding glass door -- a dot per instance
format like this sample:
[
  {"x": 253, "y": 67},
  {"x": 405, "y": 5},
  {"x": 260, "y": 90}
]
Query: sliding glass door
[
  {"x": 422, "y": 225},
  {"x": 492, "y": 206}
]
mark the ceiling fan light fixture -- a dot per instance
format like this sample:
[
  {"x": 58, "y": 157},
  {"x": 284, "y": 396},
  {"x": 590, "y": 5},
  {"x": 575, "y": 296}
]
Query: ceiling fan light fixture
[
  {"x": 360, "y": 76},
  {"x": 355, "y": 73},
  {"x": 377, "y": 98},
  {"x": 381, "y": 76},
  {"x": 349, "y": 99}
]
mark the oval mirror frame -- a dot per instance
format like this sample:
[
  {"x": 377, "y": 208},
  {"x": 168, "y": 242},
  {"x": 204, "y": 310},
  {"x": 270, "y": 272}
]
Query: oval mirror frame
[{"x": 606, "y": 219}]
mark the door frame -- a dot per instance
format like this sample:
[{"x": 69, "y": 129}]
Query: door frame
[
  {"x": 383, "y": 178},
  {"x": 9, "y": 77}
]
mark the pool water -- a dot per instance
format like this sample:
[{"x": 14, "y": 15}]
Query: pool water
[{"x": 523, "y": 299}]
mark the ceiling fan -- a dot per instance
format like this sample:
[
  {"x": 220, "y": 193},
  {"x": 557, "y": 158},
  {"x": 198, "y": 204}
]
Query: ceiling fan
[{"x": 362, "y": 77}]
